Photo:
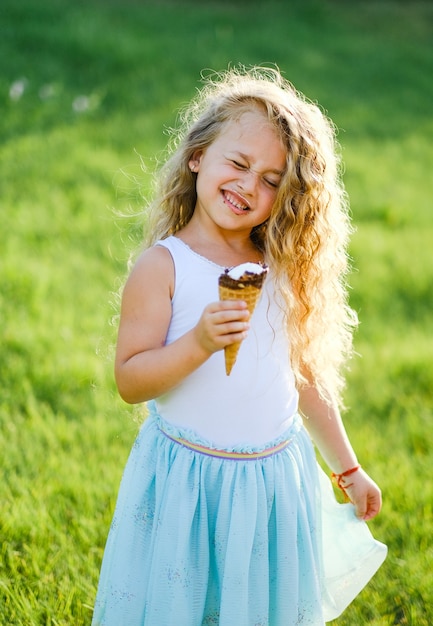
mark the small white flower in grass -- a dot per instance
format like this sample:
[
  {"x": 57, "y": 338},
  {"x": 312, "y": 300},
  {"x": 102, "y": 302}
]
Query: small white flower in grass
[
  {"x": 17, "y": 89},
  {"x": 81, "y": 104}
]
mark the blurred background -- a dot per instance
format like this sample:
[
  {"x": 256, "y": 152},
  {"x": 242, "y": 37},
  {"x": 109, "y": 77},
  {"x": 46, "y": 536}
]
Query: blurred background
[{"x": 88, "y": 91}]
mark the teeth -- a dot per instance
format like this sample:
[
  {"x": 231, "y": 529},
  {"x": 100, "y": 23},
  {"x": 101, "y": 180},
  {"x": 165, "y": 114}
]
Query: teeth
[{"x": 235, "y": 203}]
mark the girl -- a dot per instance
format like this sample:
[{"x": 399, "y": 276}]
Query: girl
[{"x": 218, "y": 514}]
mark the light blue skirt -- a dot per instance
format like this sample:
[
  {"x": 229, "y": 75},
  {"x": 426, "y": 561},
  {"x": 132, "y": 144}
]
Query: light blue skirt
[{"x": 200, "y": 540}]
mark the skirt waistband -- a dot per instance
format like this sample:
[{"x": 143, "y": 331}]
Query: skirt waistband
[
  {"x": 233, "y": 455},
  {"x": 225, "y": 454}
]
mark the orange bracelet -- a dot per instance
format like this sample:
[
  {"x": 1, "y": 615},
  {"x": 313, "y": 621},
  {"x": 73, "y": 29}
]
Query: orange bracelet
[{"x": 338, "y": 478}]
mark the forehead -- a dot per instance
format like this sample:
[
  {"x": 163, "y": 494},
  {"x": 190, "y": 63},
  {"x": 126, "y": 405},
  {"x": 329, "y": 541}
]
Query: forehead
[
  {"x": 249, "y": 124},
  {"x": 253, "y": 133}
]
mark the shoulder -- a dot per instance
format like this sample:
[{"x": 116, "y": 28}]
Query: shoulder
[
  {"x": 157, "y": 257},
  {"x": 154, "y": 269}
]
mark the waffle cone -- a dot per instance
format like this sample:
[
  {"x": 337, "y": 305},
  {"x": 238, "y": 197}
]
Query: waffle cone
[{"x": 249, "y": 292}]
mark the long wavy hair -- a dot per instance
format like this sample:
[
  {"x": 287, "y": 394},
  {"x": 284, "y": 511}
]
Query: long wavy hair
[{"x": 306, "y": 236}]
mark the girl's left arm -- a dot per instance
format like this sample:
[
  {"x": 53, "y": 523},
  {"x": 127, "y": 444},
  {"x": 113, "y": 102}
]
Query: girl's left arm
[{"x": 327, "y": 430}]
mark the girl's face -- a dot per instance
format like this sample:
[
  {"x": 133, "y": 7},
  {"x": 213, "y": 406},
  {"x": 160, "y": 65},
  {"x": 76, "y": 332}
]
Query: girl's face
[{"x": 239, "y": 173}]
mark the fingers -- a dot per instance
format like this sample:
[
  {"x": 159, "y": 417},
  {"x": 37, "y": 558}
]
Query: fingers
[
  {"x": 230, "y": 321},
  {"x": 361, "y": 509},
  {"x": 223, "y": 323},
  {"x": 231, "y": 315},
  {"x": 227, "y": 311},
  {"x": 373, "y": 506},
  {"x": 366, "y": 512},
  {"x": 228, "y": 305},
  {"x": 365, "y": 495},
  {"x": 367, "y": 504}
]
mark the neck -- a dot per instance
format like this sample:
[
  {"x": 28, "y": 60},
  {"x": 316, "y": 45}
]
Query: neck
[{"x": 224, "y": 250}]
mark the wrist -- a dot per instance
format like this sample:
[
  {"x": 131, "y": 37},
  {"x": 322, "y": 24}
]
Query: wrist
[{"x": 343, "y": 481}]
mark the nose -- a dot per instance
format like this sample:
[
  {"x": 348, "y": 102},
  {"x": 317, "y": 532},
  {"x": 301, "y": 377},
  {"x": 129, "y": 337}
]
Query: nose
[{"x": 248, "y": 181}]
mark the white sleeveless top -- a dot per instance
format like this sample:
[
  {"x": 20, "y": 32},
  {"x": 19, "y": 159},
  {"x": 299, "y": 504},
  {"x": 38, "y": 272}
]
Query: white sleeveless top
[{"x": 257, "y": 402}]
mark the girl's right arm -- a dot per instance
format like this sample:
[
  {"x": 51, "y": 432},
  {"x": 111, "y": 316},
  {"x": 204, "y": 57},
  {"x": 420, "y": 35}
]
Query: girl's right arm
[{"x": 145, "y": 367}]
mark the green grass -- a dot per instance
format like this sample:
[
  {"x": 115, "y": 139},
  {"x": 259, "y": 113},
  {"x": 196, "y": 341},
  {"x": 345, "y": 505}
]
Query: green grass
[{"x": 101, "y": 81}]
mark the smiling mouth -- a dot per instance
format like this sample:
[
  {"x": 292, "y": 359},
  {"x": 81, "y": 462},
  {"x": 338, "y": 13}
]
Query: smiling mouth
[{"x": 235, "y": 202}]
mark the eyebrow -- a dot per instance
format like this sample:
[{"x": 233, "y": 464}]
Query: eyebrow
[{"x": 270, "y": 170}]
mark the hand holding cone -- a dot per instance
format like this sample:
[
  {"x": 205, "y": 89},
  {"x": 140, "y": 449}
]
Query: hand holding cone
[{"x": 243, "y": 282}]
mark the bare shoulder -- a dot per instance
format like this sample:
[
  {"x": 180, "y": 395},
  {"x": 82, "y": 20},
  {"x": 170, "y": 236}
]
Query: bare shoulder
[
  {"x": 153, "y": 270},
  {"x": 146, "y": 304}
]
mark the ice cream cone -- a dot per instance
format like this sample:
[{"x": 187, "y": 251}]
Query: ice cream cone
[{"x": 247, "y": 288}]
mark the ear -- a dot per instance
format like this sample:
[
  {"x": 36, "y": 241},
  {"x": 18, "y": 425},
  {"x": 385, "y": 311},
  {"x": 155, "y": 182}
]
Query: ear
[{"x": 194, "y": 162}]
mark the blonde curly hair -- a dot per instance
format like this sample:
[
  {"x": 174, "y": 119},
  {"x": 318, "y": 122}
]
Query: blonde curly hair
[{"x": 306, "y": 236}]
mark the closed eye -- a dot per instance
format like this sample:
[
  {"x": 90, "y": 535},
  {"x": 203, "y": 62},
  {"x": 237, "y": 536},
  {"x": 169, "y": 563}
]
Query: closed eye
[
  {"x": 240, "y": 166},
  {"x": 271, "y": 183}
]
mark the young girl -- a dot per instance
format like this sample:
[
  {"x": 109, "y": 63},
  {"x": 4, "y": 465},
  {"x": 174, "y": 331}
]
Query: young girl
[{"x": 218, "y": 519}]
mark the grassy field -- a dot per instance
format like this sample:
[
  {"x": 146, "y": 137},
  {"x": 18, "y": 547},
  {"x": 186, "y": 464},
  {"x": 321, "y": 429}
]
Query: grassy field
[{"x": 87, "y": 89}]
